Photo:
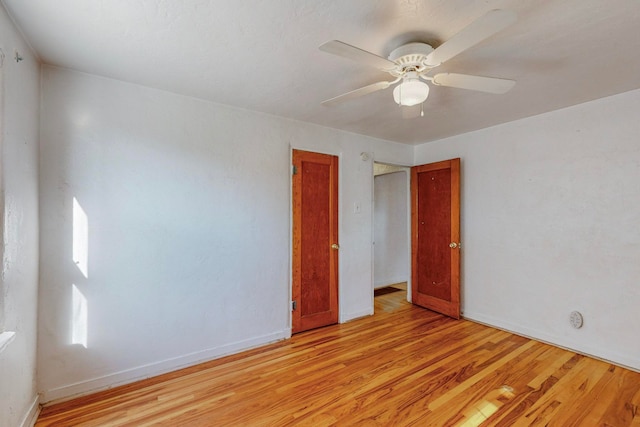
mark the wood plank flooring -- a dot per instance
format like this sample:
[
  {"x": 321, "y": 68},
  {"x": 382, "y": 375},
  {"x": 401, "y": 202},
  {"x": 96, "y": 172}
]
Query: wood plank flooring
[{"x": 404, "y": 366}]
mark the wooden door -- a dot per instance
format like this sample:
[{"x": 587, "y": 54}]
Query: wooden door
[
  {"x": 435, "y": 237},
  {"x": 315, "y": 240}
]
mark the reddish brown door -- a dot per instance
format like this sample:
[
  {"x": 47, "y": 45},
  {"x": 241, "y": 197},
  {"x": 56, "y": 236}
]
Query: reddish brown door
[
  {"x": 315, "y": 240},
  {"x": 435, "y": 236}
]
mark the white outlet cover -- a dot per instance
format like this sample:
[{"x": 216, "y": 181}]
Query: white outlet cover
[{"x": 575, "y": 318}]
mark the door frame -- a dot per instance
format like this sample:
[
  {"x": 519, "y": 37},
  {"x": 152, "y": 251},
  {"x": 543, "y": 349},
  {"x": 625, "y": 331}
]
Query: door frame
[
  {"x": 339, "y": 155},
  {"x": 407, "y": 188}
]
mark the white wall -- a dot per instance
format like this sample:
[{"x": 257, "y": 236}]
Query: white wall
[
  {"x": 19, "y": 206},
  {"x": 550, "y": 224},
  {"x": 187, "y": 208},
  {"x": 390, "y": 229}
]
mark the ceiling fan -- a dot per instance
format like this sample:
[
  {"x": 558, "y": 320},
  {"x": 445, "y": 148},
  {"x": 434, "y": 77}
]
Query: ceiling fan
[{"x": 411, "y": 63}]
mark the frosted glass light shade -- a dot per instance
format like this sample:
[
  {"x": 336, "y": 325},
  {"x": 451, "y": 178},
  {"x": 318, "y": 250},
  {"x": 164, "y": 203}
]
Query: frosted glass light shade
[{"x": 411, "y": 92}]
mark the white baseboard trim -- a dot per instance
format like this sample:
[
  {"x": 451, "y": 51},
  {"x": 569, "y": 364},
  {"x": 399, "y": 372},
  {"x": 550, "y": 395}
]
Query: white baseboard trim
[
  {"x": 356, "y": 315},
  {"x": 31, "y": 416},
  {"x": 82, "y": 388},
  {"x": 389, "y": 282},
  {"x": 624, "y": 361}
]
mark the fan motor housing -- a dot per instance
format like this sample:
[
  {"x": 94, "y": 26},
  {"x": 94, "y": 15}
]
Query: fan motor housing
[{"x": 411, "y": 55}]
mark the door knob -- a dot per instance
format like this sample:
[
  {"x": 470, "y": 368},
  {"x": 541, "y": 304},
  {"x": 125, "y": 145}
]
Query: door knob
[
  {"x": 335, "y": 246},
  {"x": 453, "y": 245}
]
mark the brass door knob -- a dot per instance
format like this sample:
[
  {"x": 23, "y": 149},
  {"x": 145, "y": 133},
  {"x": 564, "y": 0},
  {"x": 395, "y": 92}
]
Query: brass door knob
[
  {"x": 453, "y": 245},
  {"x": 335, "y": 246}
]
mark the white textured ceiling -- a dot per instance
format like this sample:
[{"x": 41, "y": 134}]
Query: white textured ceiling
[{"x": 263, "y": 55}]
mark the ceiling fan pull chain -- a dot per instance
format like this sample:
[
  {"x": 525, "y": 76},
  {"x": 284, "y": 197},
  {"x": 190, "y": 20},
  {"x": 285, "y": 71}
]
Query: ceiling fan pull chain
[{"x": 422, "y": 110}]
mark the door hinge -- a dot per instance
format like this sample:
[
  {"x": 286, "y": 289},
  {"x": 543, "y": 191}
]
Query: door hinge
[
  {"x": 294, "y": 305},
  {"x": 294, "y": 169}
]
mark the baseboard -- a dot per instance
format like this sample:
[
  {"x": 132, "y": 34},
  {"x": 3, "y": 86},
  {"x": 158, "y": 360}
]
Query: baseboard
[
  {"x": 356, "y": 315},
  {"x": 621, "y": 360},
  {"x": 31, "y": 416},
  {"x": 127, "y": 376},
  {"x": 389, "y": 282}
]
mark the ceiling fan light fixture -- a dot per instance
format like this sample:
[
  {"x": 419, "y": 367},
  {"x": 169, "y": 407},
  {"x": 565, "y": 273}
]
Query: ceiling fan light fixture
[{"x": 410, "y": 92}]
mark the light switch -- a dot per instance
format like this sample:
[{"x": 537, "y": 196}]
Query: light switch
[{"x": 356, "y": 208}]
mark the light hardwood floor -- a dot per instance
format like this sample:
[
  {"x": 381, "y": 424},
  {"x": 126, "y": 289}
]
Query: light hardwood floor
[{"x": 403, "y": 366}]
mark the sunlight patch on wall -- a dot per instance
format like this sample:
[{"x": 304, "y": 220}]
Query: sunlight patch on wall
[
  {"x": 79, "y": 317},
  {"x": 80, "y": 238}
]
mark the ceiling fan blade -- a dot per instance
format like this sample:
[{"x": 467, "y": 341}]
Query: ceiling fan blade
[
  {"x": 339, "y": 48},
  {"x": 356, "y": 93},
  {"x": 482, "y": 84},
  {"x": 480, "y": 29}
]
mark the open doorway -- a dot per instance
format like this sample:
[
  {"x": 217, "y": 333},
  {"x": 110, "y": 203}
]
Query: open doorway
[{"x": 391, "y": 260}]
